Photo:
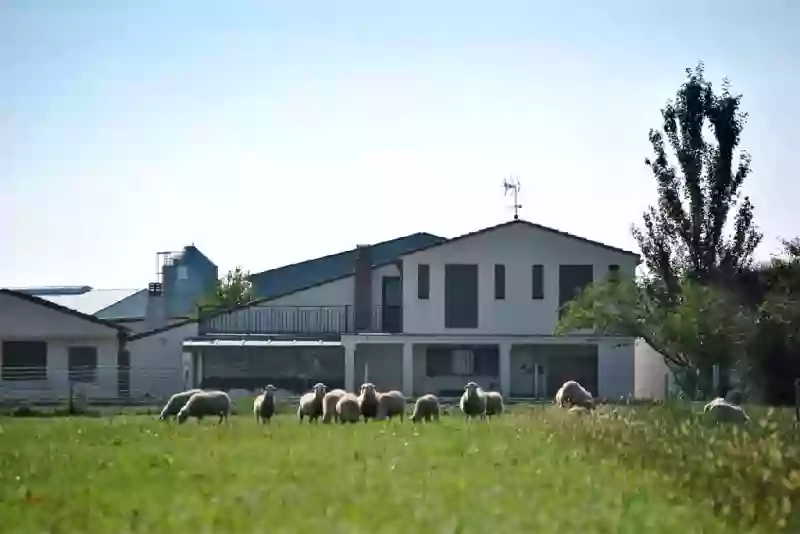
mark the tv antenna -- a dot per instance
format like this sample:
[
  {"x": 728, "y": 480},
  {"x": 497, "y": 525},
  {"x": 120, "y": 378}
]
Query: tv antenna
[{"x": 514, "y": 186}]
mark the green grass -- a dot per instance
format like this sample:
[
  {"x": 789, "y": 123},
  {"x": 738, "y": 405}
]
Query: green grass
[{"x": 534, "y": 470}]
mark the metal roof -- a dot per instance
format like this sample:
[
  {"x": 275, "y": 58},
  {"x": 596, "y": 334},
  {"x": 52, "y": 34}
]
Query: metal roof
[{"x": 89, "y": 302}]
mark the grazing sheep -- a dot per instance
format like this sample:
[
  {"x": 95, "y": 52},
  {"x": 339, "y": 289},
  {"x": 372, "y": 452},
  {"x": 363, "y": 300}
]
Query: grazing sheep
[
  {"x": 264, "y": 405},
  {"x": 176, "y": 402},
  {"x": 390, "y": 404},
  {"x": 329, "y": 405},
  {"x": 347, "y": 409},
  {"x": 426, "y": 408},
  {"x": 724, "y": 412},
  {"x": 494, "y": 403},
  {"x": 205, "y": 403},
  {"x": 473, "y": 401},
  {"x": 574, "y": 394},
  {"x": 368, "y": 401},
  {"x": 311, "y": 403}
]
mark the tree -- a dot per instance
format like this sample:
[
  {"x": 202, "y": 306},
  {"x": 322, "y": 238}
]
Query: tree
[
  {"x": 685, "y": 234},
  {"x": 231, "y": 290}
]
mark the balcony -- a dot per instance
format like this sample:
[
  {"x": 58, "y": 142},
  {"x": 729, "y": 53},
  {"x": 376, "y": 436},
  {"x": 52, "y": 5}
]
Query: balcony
[{"x": 299, "y": 320}]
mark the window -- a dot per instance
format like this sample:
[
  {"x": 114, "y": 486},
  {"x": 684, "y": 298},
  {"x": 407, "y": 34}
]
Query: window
[
  {"x": 183, "y": 272},
  {"x": 24, "y": 360},
  {"x": 613, "y": 272},
  {"x": 82, "y": 364},
  {"x": 537, "y": 282},
  {"x": 500, "y": 282},
  {"x": 572, "y": 279},
  {"x": 423, "y": 281},
  {"x": 462, "y": 361}
]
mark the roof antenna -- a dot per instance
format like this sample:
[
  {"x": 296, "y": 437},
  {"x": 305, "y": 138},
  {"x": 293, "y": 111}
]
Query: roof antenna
[{"x": 513, "y": 185}]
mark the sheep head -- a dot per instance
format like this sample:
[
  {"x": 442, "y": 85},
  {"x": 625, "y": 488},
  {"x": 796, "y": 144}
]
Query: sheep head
[
  {"x": 368, "y": 389},
  {"x": 471, "y": 388}
]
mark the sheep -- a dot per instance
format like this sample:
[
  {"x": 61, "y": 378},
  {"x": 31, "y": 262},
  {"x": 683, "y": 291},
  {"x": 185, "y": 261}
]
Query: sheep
[
  {"x": 573, "y": 393},
  {"x": 311, "y": 403},
  {"x": 205, "y": 403},
  {"x": 473, "y": 401},
  {"x": 176, "y": 402},
  {"x": 348, "y": 409},
  {"x": 725, "y": 412},
  {"x": 329, "y": 402},
  {"x": 426, "y": 408},
  {"x": 264, "y": 405},
  {"x": 368, "y": 401},
  {"x": 578, "y": 410},
  {"x": 390, "y": 404},
  {"x": 494, "y": 403}
]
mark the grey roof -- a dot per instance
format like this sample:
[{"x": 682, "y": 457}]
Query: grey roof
[
  {"x": 131, "y": 306},
  {"x": 83, "y": 299}
]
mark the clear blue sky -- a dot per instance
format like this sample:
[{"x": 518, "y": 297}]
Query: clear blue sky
[{"x": 268, "y": 133}]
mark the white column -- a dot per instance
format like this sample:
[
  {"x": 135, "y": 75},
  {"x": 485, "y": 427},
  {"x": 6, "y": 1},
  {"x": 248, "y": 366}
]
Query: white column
[
  {"x": 350, "y": 367},
  {"x": 408, "y": 369},
  {"x": 505, "y": 369}
]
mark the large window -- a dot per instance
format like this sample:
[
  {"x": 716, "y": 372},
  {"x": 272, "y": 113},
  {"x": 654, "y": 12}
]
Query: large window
[
  {"x": 462, "y": 361},
  {"x": 24, "y": 360},
  {"x": 423, "y": 281},
  {"x": 82, "y": 364}
]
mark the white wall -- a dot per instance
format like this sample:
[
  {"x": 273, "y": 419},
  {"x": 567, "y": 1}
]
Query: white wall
[
  {"x": 518, "y": 247},
  {"x": 334, "y": 295},
  {"x": 652, "y": 375},
  {"x": 615, "y": 369},
  {"x": 25, "y": 321},
  {"x": 157, "y": 363}
]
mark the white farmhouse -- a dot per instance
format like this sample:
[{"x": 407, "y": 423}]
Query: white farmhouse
[{"x": 480, "y": 307}]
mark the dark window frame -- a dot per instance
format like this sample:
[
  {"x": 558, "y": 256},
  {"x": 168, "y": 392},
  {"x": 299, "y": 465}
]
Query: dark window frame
[
  {"x": 20, "y": 352},
  {"x": 537, "y": 282},
  {"x": 423, "y": 281},
  {"x": 81, "y": 371},
  {"x": 499, "y": 281}
]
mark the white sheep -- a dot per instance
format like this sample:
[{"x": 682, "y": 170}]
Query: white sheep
[
  {"x": 348, "y": 409},
  {"x": 390, "y": 404},
  {"x": 426, "y": 408},
  {"x": 494, "y": 403},
  {"x": 329, "y": 405},
  {"x": 574, "y": 394},
  {"x": 264, "y": 405},
  {"x": 368, "y": 401},
  {"x": 724, "y": 412},
  {"x": 205, "y": 403},
  {"x": 473, "y": 401},
  {"x": 176, "y": 402},
  {"x": 311, "y": 403}
]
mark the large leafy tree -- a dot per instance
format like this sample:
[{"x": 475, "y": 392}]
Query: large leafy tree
[
  {"x": 682, "y": 306},
  {"x": 684, "y": 235}
]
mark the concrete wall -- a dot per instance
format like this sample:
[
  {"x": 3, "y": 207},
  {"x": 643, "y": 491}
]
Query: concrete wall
[
  {"x": 383, "y": 365},
  {"x": 652, "y": 376},
  {"x": 157, "y": 368},
  {"x": 616, "y": 369},
  {"x": 21, "y": 320},
  {"x": 518, "y": 247}
]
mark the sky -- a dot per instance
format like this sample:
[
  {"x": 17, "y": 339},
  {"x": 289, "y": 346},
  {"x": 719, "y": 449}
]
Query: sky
[{"x": 268, "y": 133}]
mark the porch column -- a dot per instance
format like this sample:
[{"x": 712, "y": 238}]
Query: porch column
[
  {"x": 408, "y": 369},
  {"x": 505, "y": 369},
  {"x": 350, "y": 367}
]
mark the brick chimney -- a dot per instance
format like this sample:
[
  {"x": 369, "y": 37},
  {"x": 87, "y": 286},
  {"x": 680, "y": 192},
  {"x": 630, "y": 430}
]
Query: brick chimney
[{"x": 362, "y": 289}]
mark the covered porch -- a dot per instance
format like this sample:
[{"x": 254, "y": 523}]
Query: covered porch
[{"x": 517, "y": 366}]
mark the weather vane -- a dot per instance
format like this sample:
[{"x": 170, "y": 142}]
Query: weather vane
[{"x": 514, "y": 186}]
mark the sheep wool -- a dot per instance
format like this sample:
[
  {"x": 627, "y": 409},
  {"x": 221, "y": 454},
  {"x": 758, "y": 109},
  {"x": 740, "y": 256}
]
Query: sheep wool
[
  {"x": 572, "y": 393},
  {"x": 347, "y": 409},
  {"x": 264, "y": 405},
  {"x": 473, "y": 401},
  {"x": 425, "y": 409},
  {"x": 311, "y": 403},
  {"x": 390, "y": 404},
  {"x": 329, "y": 402},
  {"x": 205, "y": 403},
  {"x": 176, "y": 402},
  {"x": 368, "y": 401},
  {"x": 494, "y": 403}
]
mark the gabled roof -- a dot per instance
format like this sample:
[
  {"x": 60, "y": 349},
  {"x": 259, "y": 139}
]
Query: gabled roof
[
  {"x": 63, "y": 309},
  {"x": 434, "y": 241},
  {"x": 297, "y": 276},
  {"x": 133, "y": 306}
]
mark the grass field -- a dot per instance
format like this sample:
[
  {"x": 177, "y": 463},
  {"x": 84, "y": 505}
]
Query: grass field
[{"x": 534, "y": 470}]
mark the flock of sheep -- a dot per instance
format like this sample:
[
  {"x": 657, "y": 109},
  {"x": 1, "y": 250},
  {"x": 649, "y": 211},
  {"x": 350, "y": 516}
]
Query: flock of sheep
[{"x": 340, "y": 406}]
